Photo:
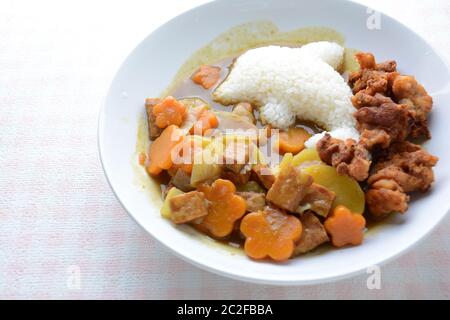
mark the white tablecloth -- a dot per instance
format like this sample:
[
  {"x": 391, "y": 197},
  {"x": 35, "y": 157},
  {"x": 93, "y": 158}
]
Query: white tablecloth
[{"x": 62, "y": 232}]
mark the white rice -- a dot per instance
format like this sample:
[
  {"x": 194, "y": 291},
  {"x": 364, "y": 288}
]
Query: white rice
[{"x": 289, "y": 83}]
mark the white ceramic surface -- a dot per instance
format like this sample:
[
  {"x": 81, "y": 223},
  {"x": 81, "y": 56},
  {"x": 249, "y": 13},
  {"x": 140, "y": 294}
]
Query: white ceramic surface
[{"x": 163, "y": 52}]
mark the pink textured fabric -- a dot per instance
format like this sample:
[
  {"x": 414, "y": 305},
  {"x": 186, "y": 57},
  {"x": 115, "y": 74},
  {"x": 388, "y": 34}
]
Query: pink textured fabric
[{"x": 62, "y": 232}]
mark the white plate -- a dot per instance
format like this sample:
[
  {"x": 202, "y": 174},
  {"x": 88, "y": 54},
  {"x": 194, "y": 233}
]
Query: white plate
[{"x": 150, "y": 68}]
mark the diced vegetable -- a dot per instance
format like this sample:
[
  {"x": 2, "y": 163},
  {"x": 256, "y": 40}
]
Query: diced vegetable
[
  {"x": 206, "y": 76},
  {"x": 160, "y": 154},
  {"x": 207, "y": 165},
  {"x": 169, "y": 112},
  {"x": 345, "y": 227},
  {"x": 225, "y": 207},
  {"x": 270, "y": 233},
  {"x": 348, "y": 192},
  {"x": 206, "y": 120},
  {"x": 293, "y": 140},
  {"x": 165, "y": 209},
  {"x": 194, "y": 107},
  {"x": 184, "y": 153},
  {"x": 142, "y": 158}
]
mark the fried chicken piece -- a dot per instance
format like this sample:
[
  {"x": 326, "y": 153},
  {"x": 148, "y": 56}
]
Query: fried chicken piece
[
  {"x": 408, "y": 91},
  {"x": 390, "y": 117},
  {"x": 385, "y": 197},
  {"x": 366, "y": 60},
  {"x": 372, "y": 78},
  {"x": 347, "y": 156},
  {"x": 406, "y": 168},
  {"x": 370, "y": 82},
  {"x": 362, "y": 99},
  {"x": 375, "y": 137},
  {"x": 407, "y": 164}
]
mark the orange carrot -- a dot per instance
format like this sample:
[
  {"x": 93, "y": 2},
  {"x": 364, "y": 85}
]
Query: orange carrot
[
  {"x": 187, "y": 150},
  {"x": 142, "y": 158},
  {"x": 160, "y": 154},
  {"x": 270, "y": 233},
  {"x": 225, "y": 207},
  {"x": 169, "y": 111},
  {"x": 206, "y": 120},
  {"x": 206, "y": 76},
  {"x": 345, "y": 227},
  {"x": 293, "y": 140}
]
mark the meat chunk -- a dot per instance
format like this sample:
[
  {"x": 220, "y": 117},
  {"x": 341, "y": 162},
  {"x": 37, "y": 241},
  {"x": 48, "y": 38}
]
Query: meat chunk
[
  {"x": 412, "y": 170},
  {"x": 386, "y": 196},
  {"x": 153, "y": 130},
  {"x": 318, "y": 199},
  {"x": 188, "y": 206},
  {"x": 238, "y": 178},
  {"x": 370, "y": 82},
  {"x": 181, "y": 180},
  {"x": 406, "y": 168},
  {"x": 372, "y": 78},
  {"x": 255, "y": 201},
  {"x": 408, "y": 91},
  {"x": 289, "y": 188},
  {"x": 347, "y": 157},
  {"x": 374, "y": 137},
  {"x": 391, "y": 117},
  {"x": 264, "y": 175},
  {"x": 362, "y": 99},
  {"x": 313, "y": 234}
]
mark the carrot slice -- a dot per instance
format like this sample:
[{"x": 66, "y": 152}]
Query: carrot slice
[
  {"x": 169, "y": 111},
  {"x": 345, "y": 227},
  {"x": 160, "y": 154},
  {"x": 270, "y": 233},
  {"x": 206, "y": 76},
  {"x": 206, "y": 120},
  {"x": 293, "y": 140},
  {"x": 224, "y": 210}
]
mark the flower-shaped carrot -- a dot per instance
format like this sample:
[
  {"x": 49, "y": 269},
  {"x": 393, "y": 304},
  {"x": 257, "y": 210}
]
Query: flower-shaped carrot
[
  {"x": 345, "y": 227},
  {"x": 206, "y": 120},
  {"x": 169, "y": 111},
  {"x": 206, "y": 76},
  {"x": 270, "y": 233},
  {"x": 225, "y": 207}
]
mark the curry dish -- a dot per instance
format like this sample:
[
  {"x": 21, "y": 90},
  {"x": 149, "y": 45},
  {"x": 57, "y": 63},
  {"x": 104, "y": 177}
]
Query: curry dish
[{"x": 280, "y": 151}]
